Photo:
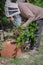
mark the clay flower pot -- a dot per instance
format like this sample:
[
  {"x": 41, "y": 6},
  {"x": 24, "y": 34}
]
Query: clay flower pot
[
  {"x": 19, "y": 51},
  {"x": 11, "y": 50}
]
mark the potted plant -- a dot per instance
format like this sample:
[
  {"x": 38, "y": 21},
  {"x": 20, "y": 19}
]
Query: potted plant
[
  {"x": 27, "y": 34},
  {"x": 10, "y": 49}
]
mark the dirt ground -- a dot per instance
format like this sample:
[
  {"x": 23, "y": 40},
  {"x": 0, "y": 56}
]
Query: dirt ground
[{"x": 6, "y": 61}]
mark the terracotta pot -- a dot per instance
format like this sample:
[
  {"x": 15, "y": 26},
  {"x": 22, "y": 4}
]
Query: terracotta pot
[
  {"x": 11, "y": 50},
  {"x": 19, "y": 51}
]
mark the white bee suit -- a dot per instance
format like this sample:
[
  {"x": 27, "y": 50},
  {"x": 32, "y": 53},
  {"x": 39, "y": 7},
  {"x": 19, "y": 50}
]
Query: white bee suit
[
  {"x": 11, "y": 7},
  {"x": 20, "y": 1}
]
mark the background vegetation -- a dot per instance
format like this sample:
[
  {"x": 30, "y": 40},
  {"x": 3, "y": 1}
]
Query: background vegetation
[{"x": 37, "y": 2}]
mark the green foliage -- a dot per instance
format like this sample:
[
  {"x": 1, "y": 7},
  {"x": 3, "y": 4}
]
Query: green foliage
[
  {"x": 3, "y": 18},
  {"x": 9, "y": 37},
  {"x": 27, "y": 33},
  {"x": 37, "y": 2},
  {"x": 2, "y": 3}
]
